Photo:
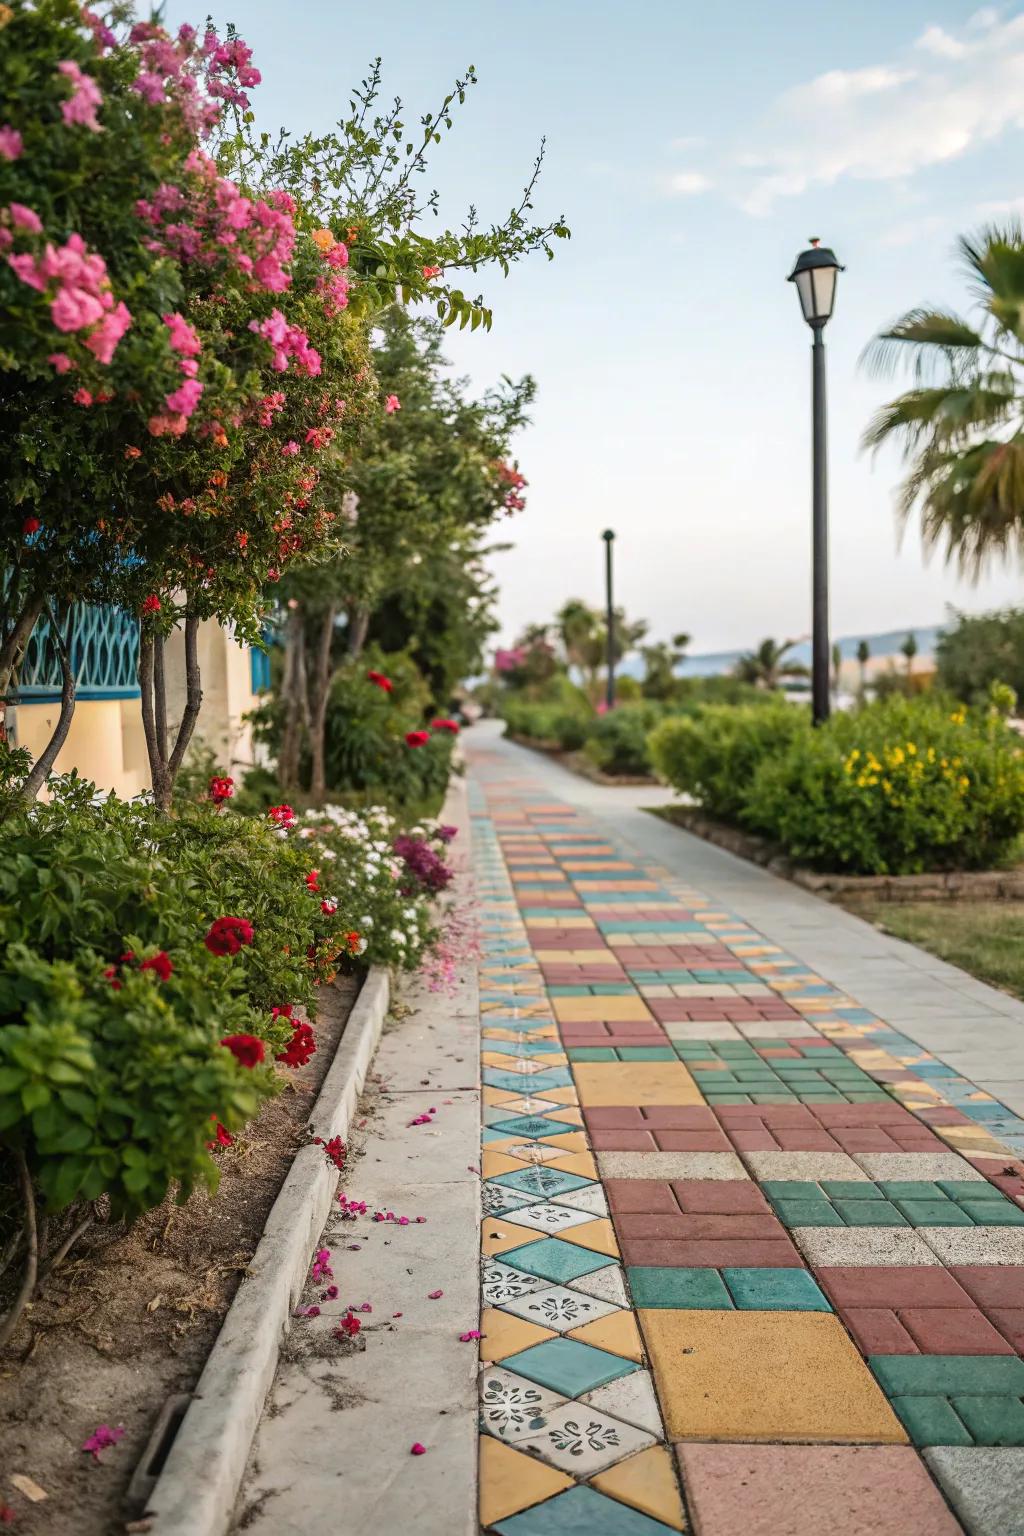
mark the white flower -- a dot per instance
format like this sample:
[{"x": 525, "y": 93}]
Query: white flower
[
  {"x": 398, "y": 935},
  {"x": 366, "y": 922}
]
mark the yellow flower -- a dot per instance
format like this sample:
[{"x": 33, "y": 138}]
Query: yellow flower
[
  {"x": 6, "y": 15},
  {"x": 958, "y": 717},
  {"x": 911, "y": 748}
]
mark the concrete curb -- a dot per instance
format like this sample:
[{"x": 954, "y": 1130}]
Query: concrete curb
[{"x": 196, "y": 1490}]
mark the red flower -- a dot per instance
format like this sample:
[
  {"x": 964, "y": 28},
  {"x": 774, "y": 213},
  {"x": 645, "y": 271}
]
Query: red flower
[
  {"x": 334, "y": 1150},
  {"x": 151, "y": 604},
  {"x": 282, "y": 815},
  {"x": 221, "y": 789},
  {"x": 160, "y": 963},
  {"x": 380, "y": 680},
  {"x": 30, "y": 526},
  {"x": 313, "y": 880},
  {"x": 300, "y": 1047},
  {"x": 222, "y": 1138},
  {"x": 111, "y": 975},
  {"x": 445, "y": 725},
  {"x": 227, "y": 935},
  {"x": 247, "y": 1050},
  {"x": 353, "y": 941},
  {"x": 282, "y": 1013},
  {"x": 417, "y": 738},
  {"x": 349, "y": 1325},
  {"x": 133, "y": 453}
]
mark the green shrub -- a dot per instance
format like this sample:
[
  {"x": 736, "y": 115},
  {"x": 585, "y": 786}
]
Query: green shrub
[
  {"x": 617, "y": 742},
  {"x": 713, "y": 752},
  {"x": 899, "y": 787},
  {"x": 562, "y": 721}
]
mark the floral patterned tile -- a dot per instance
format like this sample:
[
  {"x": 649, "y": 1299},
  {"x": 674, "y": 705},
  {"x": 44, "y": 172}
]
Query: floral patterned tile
[
  {"x": 501, "y": 1283},
  {"x": 512, "y": 1408},
  {"x": 551, "y": 1217},
  {"x": 583, "y": 1441},
  {"x": 559, "y": 1308}
]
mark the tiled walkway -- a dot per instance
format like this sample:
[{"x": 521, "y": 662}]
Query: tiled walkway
[{"x": 753, "y": 1260}]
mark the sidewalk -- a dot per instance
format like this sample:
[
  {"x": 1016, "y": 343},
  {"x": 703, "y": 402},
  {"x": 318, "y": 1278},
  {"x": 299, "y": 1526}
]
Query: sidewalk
[{"x": 754, "y": 1225}]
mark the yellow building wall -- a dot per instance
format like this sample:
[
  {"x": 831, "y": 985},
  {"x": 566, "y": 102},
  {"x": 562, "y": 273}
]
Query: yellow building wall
[{"x": 106, "y": 742}]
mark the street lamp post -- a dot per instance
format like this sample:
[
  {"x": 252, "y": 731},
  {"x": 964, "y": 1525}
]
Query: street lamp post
[
  {"x": 815, "y": 275},
  {"x": 609, "y": 538}
]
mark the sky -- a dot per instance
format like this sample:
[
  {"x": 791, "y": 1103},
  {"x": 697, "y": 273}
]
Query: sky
[{"x": 693, "y": 151}]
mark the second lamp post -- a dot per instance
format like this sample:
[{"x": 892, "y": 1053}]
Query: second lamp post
[
  {"x": 815, "y": 275},
  {"x": 609, "y": 693}
]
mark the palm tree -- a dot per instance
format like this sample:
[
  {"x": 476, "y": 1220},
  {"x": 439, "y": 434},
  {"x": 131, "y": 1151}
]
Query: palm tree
[
  {"x": 863, "y": 657},
  {"x": 660, "y": 662},
  {"x": 767, "y": 666},
  {"x": 909, "y": 650},
  {"x": 961, "y": 427}
]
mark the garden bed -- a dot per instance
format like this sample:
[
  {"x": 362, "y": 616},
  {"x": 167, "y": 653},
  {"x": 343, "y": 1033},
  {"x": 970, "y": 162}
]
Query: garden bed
[
  {"x": 578, "y": 762},
  {"x": 984, "y": 938},
  {"x": 939, "y": 886},
  {"x": 132, "y": 1314}
]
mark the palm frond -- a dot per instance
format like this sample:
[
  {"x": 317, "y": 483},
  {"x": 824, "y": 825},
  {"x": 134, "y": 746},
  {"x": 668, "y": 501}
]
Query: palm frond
[{"x": 924, "y": 339}]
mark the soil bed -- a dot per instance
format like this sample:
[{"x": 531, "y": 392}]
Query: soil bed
[{"x": 131, "y": 1315}]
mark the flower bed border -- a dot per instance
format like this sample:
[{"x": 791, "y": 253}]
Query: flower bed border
[
  {"x": 196, "y": 1491},
  {"x": 953, "y": 885}
]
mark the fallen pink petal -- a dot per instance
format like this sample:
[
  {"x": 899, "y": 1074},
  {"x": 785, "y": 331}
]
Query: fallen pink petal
[
  {"x": 102, "y": 1438},
  {"x": 418, "y": 1450},
  {"x": 473, "y": 1333},
  {"x": 434, "y": 1295}
]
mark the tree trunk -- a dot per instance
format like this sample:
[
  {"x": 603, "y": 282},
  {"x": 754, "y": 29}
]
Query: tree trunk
[
  {"x": 318, "y": 707},
  {"x": 358, "y": 627},
  {"x": 31, "y": 1270},
  {"x": 295, "y": 700},
  {"x": 164, "y": 767},
  {"x": 41, "y": 768}
]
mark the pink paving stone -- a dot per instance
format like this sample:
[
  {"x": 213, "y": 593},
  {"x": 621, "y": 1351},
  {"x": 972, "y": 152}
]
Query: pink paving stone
[
  {"x": 610, "y": 1119},
  {"x": 753, "y": 1138},
  {"x": 1010, "y": 1322},
  {"x": 691, "y": 1141},
  {"x": 864, "y": 1140},
  {"x": 953, "y": 1331},
  {"x": 772, "y": 1115},
  {"x": 878, "y": 1331},
  {"x": 682, "y": 1117},
  {"x": 699, "y": 1229},
  {"x": 643, "y": 1195},
  {"x": 801, "y": 1140},
  {"x": 719, "y": 1197},
  {"x": 891, "y": 1286},
  {"x": 944, "y": 1115},
  {"x": 863, "y": 1115},
  {"x": 992, "y": 1285},
  {"x": 812, "y": 1490},
  {"x": 714, "y": 1253},
  {"x": 622, "y": 1141}
]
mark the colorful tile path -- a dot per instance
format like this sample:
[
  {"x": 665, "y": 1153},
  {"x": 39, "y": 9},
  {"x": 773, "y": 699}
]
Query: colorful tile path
[{"x": 752, "y": 1260}]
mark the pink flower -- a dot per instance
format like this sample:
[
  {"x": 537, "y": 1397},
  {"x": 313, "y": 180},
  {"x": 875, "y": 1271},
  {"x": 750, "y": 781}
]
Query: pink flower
[
  {"x": 24, "y": 266},
  {"x": 25, "y": 218},
  {"x": 185, "y": 398},
  {"x": 392, "y": 404},
  {"x": 417, "y": 1449},
  {"x": 74, "y": 308},
  {"x": 183, "y": 337},
  {"x": 11, "y": 143},
  {"x": 290, "y": 449},
  {"x": 86, "y": 96},
  {"x": 82, "y": 397},
  {"x": 104, "y": 339},
  {"x": 429, "y": 272},
  {"x": 102, "y": 1438},
  {"x": 322, "y": 1266},
  {"x": 472, "y": 1333},
  {"x": 60, "y": 361}
]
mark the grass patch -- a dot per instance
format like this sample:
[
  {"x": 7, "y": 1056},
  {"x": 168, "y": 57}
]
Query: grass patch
[{"x": 984, "y": 938}]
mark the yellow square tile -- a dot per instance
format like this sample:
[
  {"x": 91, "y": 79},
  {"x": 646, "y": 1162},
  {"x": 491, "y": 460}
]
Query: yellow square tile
[
  {"x": 775, "y": 1376},
  {"x": 611, "y": 1010},
  {"x": 637, "y": 1083}
]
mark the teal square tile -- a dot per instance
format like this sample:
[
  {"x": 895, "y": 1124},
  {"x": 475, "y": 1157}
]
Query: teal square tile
[
  {"x": 726, "y": 1098},
  {"x": 910, "y": 1189},
  {"x": 807, "y": 1213},
  {"x": 870, "y": 1213},
  {"x": 567, "y": 1366},
  {"x": 934, "y": 1213},
  {"x": 646, "y": 1053},
  {"x": 992, "y": 1420},
  {"x": 581, "y": 1512},
  {"x": 654, "y": 1286},
  {"x": 555, "y": 1260},
  {"x": 949, "y": 1375},
  {"x": 592, "y": 1053},
  {"x": 777, "y": 1096},
  {"x": 850, "y": 1189},
  {"x": 775, "y": 1290},
  {"x": 822, "y": 1096},
  {"x": 993, "y": 1213},
  {"x": 930, "y": 1421}
]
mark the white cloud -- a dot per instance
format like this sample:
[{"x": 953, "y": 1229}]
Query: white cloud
[
  {"x": 686, "y": 183},
  {"x": 893, "y": 119},
  {"x": 1012, "y": 206},
  {"x": 688, "y": 141}
]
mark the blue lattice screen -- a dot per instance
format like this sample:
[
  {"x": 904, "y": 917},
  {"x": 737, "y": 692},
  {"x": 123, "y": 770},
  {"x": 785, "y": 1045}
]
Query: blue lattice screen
[{"x": 104, "y": 657}]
